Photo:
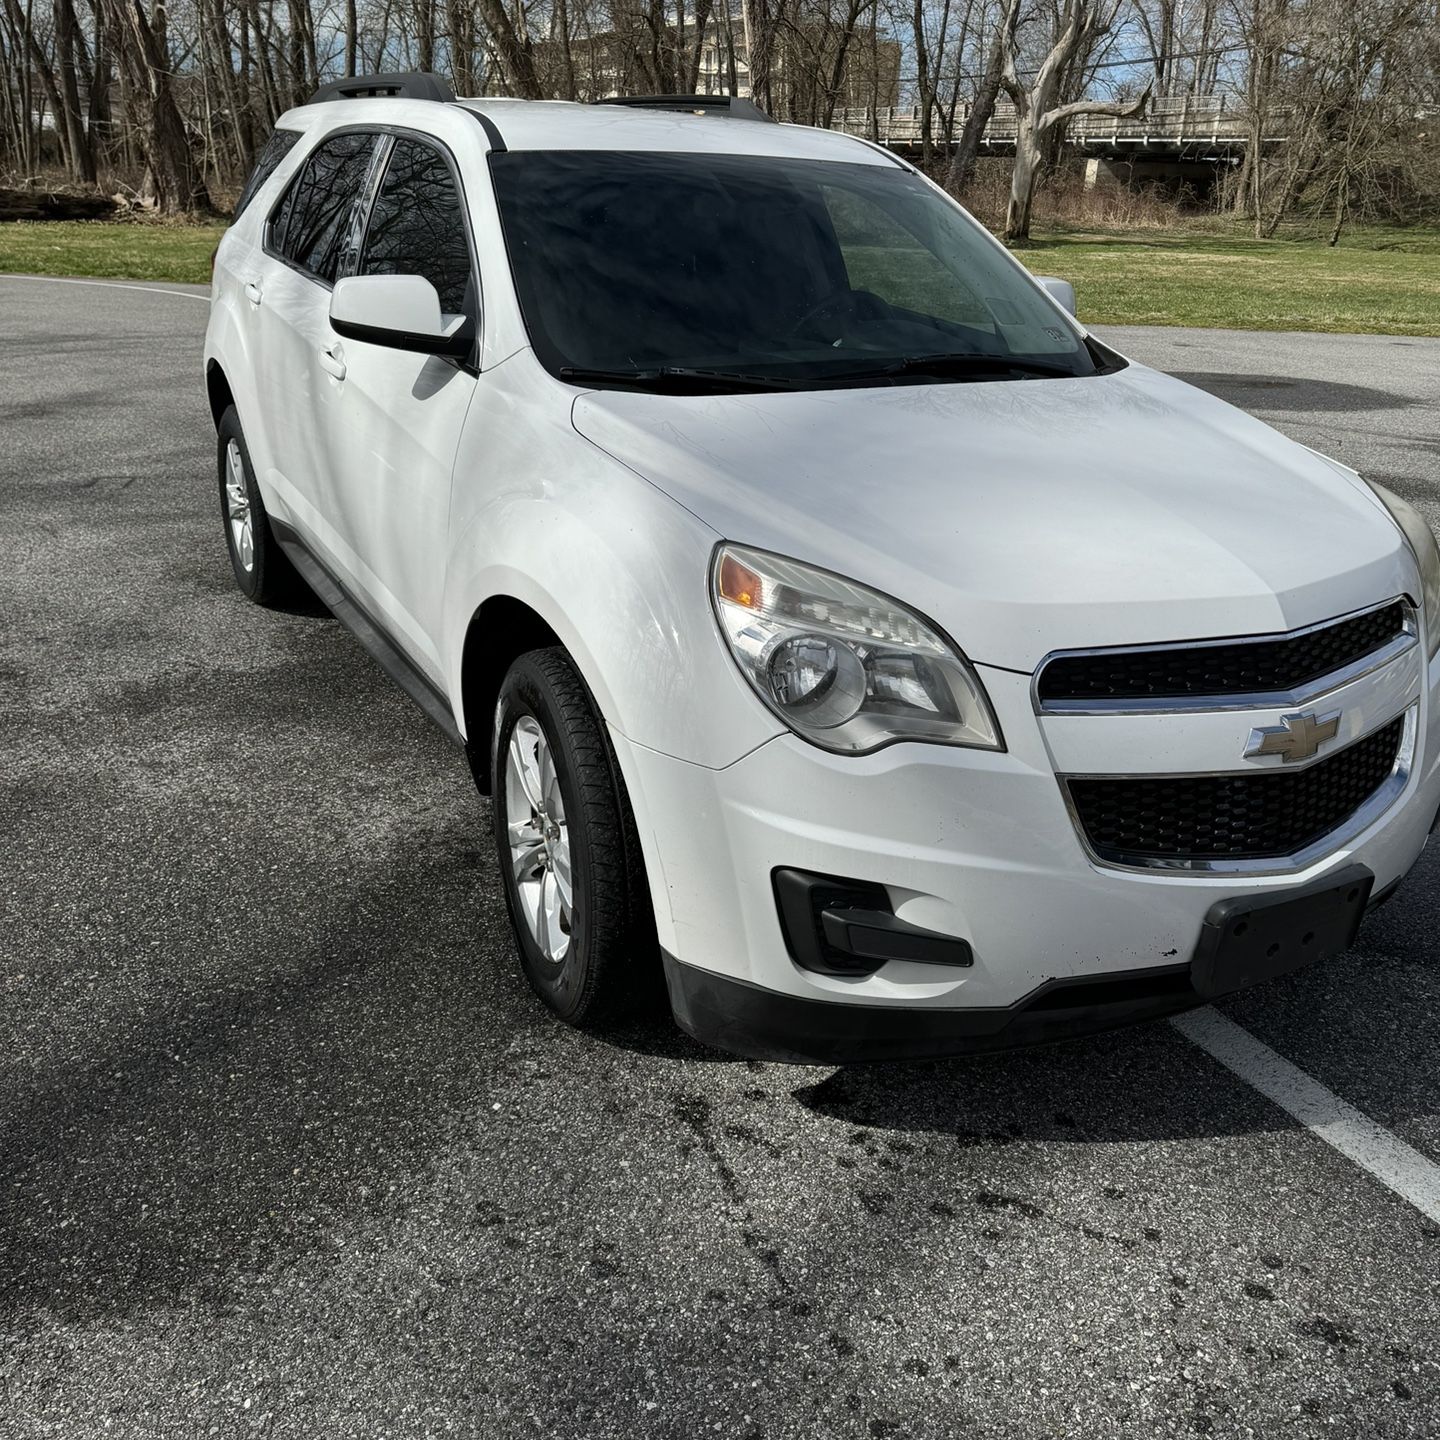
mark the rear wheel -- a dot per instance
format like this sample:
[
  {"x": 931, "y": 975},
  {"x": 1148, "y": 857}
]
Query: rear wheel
[
  {"x": 262, "y": 570},
  {"x": 574, "y": 881}
]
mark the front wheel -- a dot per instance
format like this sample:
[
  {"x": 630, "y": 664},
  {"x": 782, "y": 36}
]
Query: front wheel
[
  {"x": 262, "y": 569},
  {"x": 574, "y": 881}
]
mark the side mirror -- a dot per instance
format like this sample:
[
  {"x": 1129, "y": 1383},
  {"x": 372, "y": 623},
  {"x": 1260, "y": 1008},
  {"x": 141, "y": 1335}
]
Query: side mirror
[
  {"x": 1062, "y": 292},
  {"x": 401, "y": 311}
]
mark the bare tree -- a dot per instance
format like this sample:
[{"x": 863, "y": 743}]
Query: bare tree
[
  {"x": 142, "y": 44},
  {"x": 1037, "y": 110},
  {"x": 1340, "y": 96}
]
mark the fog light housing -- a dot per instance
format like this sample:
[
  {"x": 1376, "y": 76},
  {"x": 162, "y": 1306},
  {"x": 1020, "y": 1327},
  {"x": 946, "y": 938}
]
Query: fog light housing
[{"x": 847, "y": 927}]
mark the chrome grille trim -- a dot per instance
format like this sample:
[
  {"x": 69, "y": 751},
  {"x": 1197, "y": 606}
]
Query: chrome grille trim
[{"x": 1305, "y": 694}]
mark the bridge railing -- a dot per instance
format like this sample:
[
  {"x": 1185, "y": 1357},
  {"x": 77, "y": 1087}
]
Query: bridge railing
[{"x": 1178, "y": 119}]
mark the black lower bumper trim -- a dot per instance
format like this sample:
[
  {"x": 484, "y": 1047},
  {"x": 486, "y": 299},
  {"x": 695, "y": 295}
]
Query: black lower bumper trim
[{"x": 761, "y": 1024}]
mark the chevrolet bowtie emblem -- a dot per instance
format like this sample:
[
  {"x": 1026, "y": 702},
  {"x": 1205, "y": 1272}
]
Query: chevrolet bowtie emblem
[{"x": 1296, "y": 737}]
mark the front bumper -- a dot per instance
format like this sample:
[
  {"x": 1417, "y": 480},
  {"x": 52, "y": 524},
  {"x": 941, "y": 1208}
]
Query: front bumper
[
  {"x": 966, "y": 843},
  {"x": 1242, "y": 942}
]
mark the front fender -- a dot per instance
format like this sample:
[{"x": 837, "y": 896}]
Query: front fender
[{"x": 617, "y": 569}]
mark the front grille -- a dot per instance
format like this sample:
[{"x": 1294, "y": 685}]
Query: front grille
[
  {"x": 1261, "y": 815},
  {"x": 1243, "y": 667}
]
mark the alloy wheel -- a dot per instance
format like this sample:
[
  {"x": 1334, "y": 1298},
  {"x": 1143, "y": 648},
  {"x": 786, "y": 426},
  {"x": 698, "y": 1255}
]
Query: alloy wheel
[
  {"x": 539, "y": 839},
  {"x": 237, "y": 506}
]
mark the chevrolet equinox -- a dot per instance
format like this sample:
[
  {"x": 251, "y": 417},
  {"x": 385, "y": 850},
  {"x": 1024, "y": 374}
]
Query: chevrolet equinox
[{"x": 825, "y": 611}]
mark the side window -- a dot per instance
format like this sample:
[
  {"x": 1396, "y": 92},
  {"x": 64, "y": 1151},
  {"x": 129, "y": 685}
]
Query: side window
[
  {"x": 417, "y": 226},
  {"x": 277, "y": 147},
  {"x": 310, "y": 222},
  {"x": 882, "y": 256}
]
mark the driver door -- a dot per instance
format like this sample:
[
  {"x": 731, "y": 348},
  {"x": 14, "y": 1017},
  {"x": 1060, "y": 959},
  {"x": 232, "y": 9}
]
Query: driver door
[{"x": 391, "y": 419}]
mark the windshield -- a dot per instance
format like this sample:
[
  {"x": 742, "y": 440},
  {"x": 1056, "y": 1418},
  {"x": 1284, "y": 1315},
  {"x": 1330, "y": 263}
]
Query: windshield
[{"x": 746, "y": 272}]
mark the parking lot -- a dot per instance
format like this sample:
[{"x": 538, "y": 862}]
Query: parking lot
[{"x": 288, "y": 1148}]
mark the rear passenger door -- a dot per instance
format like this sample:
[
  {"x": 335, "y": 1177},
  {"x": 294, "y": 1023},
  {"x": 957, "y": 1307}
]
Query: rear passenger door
[
  {"x": 311, "y": 238},
  {"x": 390, "y": 428}
]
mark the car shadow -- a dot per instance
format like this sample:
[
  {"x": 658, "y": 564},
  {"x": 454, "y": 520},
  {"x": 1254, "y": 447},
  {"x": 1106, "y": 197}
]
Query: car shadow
[{"x": 1277, "y": 392}]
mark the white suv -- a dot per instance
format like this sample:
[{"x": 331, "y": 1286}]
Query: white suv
[{"x": 822, "y": 607}]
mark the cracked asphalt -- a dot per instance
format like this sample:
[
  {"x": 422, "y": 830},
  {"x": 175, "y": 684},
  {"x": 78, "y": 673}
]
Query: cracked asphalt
[{"x": 287, "y": 1149}]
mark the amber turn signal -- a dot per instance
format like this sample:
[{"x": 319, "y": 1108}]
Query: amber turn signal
[{"x": 739, "y": 583}]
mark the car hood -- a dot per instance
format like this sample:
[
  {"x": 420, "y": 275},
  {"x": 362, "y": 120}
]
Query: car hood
[{"x": 1026, "y": 516}]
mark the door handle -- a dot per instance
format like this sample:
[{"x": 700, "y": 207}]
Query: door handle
[
  {"x": 332, "y": 361},
  {"x": 252, "y": 292}
]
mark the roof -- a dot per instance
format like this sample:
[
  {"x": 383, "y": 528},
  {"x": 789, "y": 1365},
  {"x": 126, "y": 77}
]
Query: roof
[{"x": 571, "y": 125}]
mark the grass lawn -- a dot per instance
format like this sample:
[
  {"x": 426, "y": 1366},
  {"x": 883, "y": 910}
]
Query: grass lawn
[
  {"x": 1375, "y": 281},
  {"x": 111, "y": 250}
]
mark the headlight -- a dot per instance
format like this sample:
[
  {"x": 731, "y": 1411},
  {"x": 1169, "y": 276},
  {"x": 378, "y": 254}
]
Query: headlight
[
  {"x": 844, "y": 667},
  {"x": 1427, "y": 556}
]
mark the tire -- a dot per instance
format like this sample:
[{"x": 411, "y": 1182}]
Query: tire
[
  {"x": 584, "y": 958},
  {"x": 262, "y": 570}
]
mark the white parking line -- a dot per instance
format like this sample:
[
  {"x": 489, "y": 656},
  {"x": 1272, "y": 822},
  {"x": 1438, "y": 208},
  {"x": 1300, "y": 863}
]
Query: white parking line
[
  {"x": 1388, "y": 1158},
  {"x": 110, "y": 285}
]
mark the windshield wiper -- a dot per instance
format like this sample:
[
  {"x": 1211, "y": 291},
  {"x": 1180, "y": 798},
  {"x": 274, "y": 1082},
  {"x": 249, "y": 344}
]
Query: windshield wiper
[
  {"x": 960, "y": 364},
  {"x": 689, "y": 380},
  {"x": 682, "y": 379}
]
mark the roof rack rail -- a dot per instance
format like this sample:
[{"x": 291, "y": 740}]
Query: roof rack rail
[
  {"x": 728, "y": 105},
  {"x": 400, "y": 84}
]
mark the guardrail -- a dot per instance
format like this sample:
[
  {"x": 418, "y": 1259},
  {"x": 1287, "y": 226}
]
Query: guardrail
[{"x": 1171, "y": 123}]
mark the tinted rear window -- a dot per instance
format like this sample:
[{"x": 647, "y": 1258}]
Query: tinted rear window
[{"x": 277, "y": 147}]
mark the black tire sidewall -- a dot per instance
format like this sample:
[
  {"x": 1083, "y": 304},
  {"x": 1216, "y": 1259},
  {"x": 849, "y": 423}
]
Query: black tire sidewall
[
  {"x": 271, "y": 580},
  {"x": 229, "y": 429},
  {"x": 566, "y": 987}
]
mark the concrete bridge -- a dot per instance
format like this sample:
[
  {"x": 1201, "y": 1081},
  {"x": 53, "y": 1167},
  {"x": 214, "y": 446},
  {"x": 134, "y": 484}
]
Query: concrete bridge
[{"x": 1186, "y": 138}]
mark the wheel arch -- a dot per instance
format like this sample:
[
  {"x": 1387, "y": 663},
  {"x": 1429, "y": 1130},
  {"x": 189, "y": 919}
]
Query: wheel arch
[
  {"x": 501, "y": 630},
  {"x": 217, "y": 388}
]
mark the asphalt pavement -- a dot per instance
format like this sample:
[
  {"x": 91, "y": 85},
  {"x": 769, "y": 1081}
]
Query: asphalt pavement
[{"x": 286, "y": 1147}]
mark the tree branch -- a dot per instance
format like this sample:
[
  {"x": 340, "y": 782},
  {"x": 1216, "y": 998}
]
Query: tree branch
[
  {"x": 1121, "y": 109},
  {"x": 1046, "y": 78},
  {"x": 1011, "y": 83}
]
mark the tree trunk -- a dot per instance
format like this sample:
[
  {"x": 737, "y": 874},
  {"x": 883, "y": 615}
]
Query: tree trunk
[
  {"x": 425, "y": 33},
  {"x": 177, "y": 183},
  {"x": 1342, "y": 201},
  {"x": 923, "y": 90},
  {"x": 837, "y": 70},
  {"x": 732, "y": 70},
  {"x": 562, "y": 24},
  {"x": 304, "y": 61},
  {"x": 44, "y": 205},
  {"x": 101, "y": 74},
  {"x": 962, "y": 163},
  {"x": 1022, "y": 183},
  {"x": 697, "y": 54},
  {"x": 67, "y": 34},
  {"x": 274, "y": 104},
  {"x": 516, "y": 56}
]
